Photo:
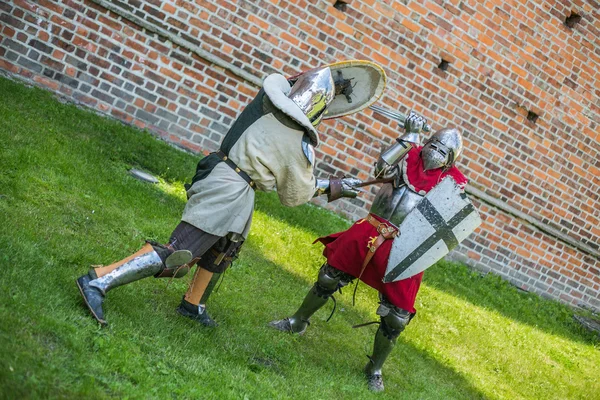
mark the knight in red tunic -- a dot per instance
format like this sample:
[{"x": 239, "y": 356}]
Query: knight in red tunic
[{"x": 363, "y": 250}]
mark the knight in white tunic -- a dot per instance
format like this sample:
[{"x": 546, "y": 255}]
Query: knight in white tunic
[{"x": 269, "y": 147}]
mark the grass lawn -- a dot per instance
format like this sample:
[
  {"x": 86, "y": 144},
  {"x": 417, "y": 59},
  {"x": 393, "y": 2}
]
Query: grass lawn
[{"x": 67, "y": 201}]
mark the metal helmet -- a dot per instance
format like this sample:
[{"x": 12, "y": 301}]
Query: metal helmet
[
  {"x": 442, "y": 149},
  {"x": 312, "y": 92}
]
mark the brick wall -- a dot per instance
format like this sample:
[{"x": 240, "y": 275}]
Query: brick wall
[{"x": 184, "y": 71}]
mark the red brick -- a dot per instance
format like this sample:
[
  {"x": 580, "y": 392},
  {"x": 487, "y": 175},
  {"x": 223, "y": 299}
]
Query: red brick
[
  {"x": 411, "y": 25},
  {"x": 169, "y": 8}
]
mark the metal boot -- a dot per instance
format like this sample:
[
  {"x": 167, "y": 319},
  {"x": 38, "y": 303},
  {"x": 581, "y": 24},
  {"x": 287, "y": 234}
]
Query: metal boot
[
  {"x": 382, "y": 347},
  {"x": 147, "y": 264},
  {"x": 329, "y": 280},
  {"x": 92, "y": 296},
  {"x": 298, "y": 322}
]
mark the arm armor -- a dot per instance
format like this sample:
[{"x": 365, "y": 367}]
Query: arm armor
[
  {"x": 391, "y": 157},
  {"x": 321, "y": 187},
  {"x": 336, "y": 188}
]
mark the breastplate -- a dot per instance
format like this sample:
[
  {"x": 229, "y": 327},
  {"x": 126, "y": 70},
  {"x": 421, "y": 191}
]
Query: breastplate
[{"x": 394, "y": 204}]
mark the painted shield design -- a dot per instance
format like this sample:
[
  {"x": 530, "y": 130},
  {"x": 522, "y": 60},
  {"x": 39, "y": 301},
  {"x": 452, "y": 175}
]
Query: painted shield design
[
  {"x": 441, "y": 220},
  {"x": 358, "y": 83}
]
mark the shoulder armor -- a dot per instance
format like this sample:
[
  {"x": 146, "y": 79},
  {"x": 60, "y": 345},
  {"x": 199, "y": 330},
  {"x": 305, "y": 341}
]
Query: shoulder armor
[{"x": 308, "y": 150}]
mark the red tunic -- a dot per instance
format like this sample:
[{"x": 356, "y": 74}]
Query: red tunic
[{"x": 347, "y": 250}]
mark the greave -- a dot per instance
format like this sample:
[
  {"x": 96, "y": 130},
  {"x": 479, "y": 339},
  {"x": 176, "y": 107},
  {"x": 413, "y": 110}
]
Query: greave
[
  {"x": 101, "y": 270},
  {"x": 140, "y": 267},
  {"x": 193, "y": 304},
  {"x": 209, "y": 289},
  {"x": 312, "y": 302},
  {"x": 382, "y": 347},
  {"x": 198, "y": 286}
]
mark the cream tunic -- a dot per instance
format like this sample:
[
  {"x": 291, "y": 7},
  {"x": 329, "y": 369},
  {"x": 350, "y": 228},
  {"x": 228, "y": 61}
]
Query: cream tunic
[{"x": 271, "y": 154}]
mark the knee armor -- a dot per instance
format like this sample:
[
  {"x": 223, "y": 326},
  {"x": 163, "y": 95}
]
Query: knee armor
[
  {"x": 169, "y": 268},
  {"x": 331, "y": 279},
  {"x": 393, "y": 319}
]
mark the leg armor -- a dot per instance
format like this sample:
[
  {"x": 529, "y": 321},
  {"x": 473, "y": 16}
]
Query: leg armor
[
  {"x": 146, "y": 262},
  {"x": 144, "y": 265},
  {"x": 328, "y": 282},
  {"x": 198, "y": 312},
  {"x": 210, "y": 267},
  {"x": 393, "y": 322},
  {"x": 173, "y": 268}
]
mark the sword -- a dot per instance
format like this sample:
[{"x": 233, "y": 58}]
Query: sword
[
  {"x": 371, "y": 182},
  {"x": 395, "y": 116},
  {"x": 374, "y": 182}
]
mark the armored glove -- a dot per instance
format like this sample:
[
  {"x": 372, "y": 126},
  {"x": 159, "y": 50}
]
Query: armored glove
[
  {"x": 336, "y": 188},
  {"x": 386, "y": 164},
  {"x": 414, "y": 123}
]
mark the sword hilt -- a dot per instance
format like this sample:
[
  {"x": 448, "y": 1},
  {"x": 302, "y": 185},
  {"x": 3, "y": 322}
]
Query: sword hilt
[{"x": 395, "y": 116}]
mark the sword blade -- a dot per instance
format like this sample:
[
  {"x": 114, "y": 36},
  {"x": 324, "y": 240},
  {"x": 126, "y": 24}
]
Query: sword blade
[
  {"x": 388, "y": 113},
  {"x": 396, "y": 116}
]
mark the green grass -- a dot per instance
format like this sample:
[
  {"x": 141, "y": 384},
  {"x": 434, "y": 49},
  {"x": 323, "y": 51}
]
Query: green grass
[{"x": 67, "y": 201}]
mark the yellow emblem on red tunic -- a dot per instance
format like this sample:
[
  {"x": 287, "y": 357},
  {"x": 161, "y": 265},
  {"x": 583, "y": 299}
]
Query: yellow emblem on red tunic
[{"x": 371, "y": 244}]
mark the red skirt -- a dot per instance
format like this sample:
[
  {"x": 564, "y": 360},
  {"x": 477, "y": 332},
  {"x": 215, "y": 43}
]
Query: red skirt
[{"x": 347, "y": 250}]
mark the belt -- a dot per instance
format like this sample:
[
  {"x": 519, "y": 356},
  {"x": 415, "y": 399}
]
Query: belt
[
  {"x": 234, "y": 167},
  {"x": 386, "y": 232}
]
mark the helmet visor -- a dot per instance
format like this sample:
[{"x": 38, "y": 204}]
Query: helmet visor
[{"x": 435, "y": 155}]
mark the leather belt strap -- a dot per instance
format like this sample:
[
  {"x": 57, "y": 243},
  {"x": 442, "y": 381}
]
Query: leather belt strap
[
  {"x": 234, "y": 167},
  {"x": 386, "y": 232},
  {"x": 220, "y": 256}
]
